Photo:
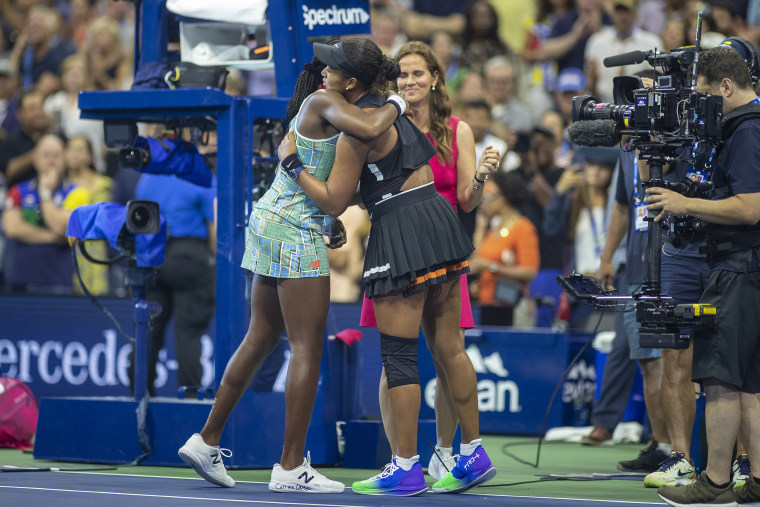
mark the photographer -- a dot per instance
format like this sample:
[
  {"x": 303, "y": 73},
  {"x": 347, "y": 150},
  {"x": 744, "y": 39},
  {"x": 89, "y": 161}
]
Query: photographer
[{"x": 728, "y": 361}]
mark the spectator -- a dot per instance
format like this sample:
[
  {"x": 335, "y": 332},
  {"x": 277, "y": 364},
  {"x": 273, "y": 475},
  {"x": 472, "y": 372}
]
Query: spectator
[
  {"x": 563, "y": 150},
  {"x": 91, "y": 187},
  {"x": 38, "y": 259},
  {"x": 506, "y": 257},
  {"x": 619, "y": 38},
  {"x": 514, "y": 21},
  {"x": 39, "y": 51},
  {"x": 544, "y": 71},
  {"x": 428, "y": 16},
  {"x": 81, "y": 14},
  {"x": 570, "y": 82},
  {"x": 8, "y": 99},
  {"x": 578, "y": 213},
  {"x": 110, "y": 62},
  {"x": 477, "y": 114},
  {"x": 124, "y": 15},
  {"x": 63, "y": 106},
  {"x": 471, "y": 88},
  {"x": 509, "y": 115},
  {"x": 730, "y": 20},
  {"x": 673, "y": 34},
  {"x": 567, "y": 40},
  {"x": 480, "y": 40},
  {"x": 448, "y": 54},
  {"x": 386, "y": 32},
  {"x": 16, "y": 152},
  {"x": 185, "y": 287}
]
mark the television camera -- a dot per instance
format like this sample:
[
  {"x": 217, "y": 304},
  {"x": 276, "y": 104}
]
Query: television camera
[{"x": 668, "y": 123}]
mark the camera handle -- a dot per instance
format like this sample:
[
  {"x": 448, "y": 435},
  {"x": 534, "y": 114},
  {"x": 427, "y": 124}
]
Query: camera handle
[{"x": 651, "y": 285}]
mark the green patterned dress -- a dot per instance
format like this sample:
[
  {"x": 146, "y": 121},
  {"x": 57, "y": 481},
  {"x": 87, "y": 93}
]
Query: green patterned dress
[{"x": 284, "y": 235}]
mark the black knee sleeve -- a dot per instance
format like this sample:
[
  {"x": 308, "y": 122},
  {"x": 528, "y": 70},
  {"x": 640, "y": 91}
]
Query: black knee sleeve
[{"x": 400, "y": 360}]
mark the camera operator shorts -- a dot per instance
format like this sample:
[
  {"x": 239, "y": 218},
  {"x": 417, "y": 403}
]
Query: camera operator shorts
[
  {"x": 731, "y": 351},
  {"x": 632, "y": 331}
]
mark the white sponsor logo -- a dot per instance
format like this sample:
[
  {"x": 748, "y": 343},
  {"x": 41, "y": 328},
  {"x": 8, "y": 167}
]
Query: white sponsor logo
[
  {"x": 493, "y": 395},
  {"x": 104, "y": 364},
  {"x": 334, "y": 16},
  {"x": 580, "y": 386}
]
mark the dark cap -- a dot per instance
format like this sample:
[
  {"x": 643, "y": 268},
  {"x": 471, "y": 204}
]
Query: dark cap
[
  {"x": 334, "y": 56},
  {"x": 599, "y": 155}
]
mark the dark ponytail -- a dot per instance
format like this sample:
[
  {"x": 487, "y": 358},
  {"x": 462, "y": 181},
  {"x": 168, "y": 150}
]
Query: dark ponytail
[{"x": 309, "y": 81}]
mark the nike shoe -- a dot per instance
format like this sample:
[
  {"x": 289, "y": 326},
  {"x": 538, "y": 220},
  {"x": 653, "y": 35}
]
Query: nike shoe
[
  {"x": 674, "y": 471},
  {"x": 699, "y": 492},
  {"x": 303, "y": 479},
  {"x": 438, "y": 469},
  {"x": 394, "y": 480},
  {"x": 206, "y": 460},
  {"x": 469, "y": 472},
  {"x": 648, "y": 460},
  {"x": 740, "y": 469},
  {"x": 748, "y": 494}
]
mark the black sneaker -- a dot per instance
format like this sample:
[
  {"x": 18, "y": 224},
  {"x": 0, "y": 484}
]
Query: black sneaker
[{"x": 648, "y": 461}]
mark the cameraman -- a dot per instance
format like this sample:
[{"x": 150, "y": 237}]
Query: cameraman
[{"x": 727, "y": 362}]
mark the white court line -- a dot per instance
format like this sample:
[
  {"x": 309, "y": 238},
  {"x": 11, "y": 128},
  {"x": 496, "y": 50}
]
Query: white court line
[{"x": 173, "y": 497}]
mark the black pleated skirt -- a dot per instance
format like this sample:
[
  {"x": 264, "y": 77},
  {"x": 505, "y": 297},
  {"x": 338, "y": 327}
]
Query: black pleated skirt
[{"x": 416, "y": 241}]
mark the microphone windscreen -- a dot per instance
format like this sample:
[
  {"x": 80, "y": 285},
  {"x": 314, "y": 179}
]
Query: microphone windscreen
[
  {"x": 594, "y": 133},
  {"x": 630, "y": 58}
]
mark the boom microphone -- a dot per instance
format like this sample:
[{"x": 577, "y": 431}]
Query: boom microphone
[
  {"x": 630, "y": 58},
  {"x": 594, "y": 133}
]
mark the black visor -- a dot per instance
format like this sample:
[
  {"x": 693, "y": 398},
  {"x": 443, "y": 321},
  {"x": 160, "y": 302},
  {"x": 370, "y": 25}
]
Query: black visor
[{"x": 334, "y": 56}]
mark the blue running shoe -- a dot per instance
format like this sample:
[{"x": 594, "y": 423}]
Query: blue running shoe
[
  {"x": 470, "y": 471},
  {"x": 394, "y": 480}
]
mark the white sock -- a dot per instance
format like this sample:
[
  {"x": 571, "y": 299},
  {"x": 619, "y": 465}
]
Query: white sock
[
  {"x": 666, "y": 448},
  {"x": 407, "y": 463},
  {"x": 468, "y": 449},
  {"x": 444, "y": 452}
]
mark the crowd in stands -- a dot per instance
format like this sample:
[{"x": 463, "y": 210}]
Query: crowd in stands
[{"x": 511, "y": 69}]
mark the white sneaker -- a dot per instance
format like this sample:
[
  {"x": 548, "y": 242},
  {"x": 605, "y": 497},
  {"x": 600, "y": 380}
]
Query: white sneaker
[
  {"x": 437, "y": 469},
  {"x": 674, "y": 471},
  {"x": 303, "y": 479},
  {"x": 206, "y": 460}
]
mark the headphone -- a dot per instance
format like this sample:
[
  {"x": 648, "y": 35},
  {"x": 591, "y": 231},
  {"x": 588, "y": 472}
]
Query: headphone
[{"x": 748, "y": 54}]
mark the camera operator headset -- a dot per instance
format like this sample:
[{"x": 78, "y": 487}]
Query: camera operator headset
[{"x": 728, "y": 361}]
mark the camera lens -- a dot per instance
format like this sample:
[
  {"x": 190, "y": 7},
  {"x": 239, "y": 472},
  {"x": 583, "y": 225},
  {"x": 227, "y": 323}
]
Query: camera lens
[
  {"x": 143, "y": 217},
  {"x": 135, "y": 158}
]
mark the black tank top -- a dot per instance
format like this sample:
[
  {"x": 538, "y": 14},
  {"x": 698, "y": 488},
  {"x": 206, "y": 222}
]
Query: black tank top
[{"x": 386, "y": 176}]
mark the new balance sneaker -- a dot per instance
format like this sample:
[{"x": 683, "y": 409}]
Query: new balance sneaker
[
  {"x": 302, "y": 479},
  {"x": 740, "y": 469},
  {"x": 648, "y": 460},
  {"x": 674, "y": 471},
  {"x": 699, "y": 492},
  {"x": 206, "y": 460},
  {"x": 437, "y": 468},
  {"x": 394, "y": 480},
  {"x": 748, "y": 494},
  {"x": 469, "y": 472}
]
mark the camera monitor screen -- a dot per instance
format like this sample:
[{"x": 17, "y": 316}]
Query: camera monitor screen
[{"x": 582, "y": 287}]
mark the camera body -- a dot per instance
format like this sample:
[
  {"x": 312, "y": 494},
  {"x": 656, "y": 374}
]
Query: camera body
[{"x": 667, "y": 326}]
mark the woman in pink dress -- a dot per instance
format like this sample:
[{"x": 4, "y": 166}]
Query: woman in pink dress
[{"x": 460, "y": 181}]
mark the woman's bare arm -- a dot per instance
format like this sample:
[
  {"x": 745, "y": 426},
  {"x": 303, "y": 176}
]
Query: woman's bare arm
[{"x": 352, "y": 119}]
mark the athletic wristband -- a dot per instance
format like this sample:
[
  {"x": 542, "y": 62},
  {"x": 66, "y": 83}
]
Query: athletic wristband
[
  {"x": 397, "y": 101},
  {"x": 293, "y": 165}
]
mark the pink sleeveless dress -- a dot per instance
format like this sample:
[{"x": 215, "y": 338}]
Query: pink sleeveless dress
[{"x": 445, "y": 182}]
